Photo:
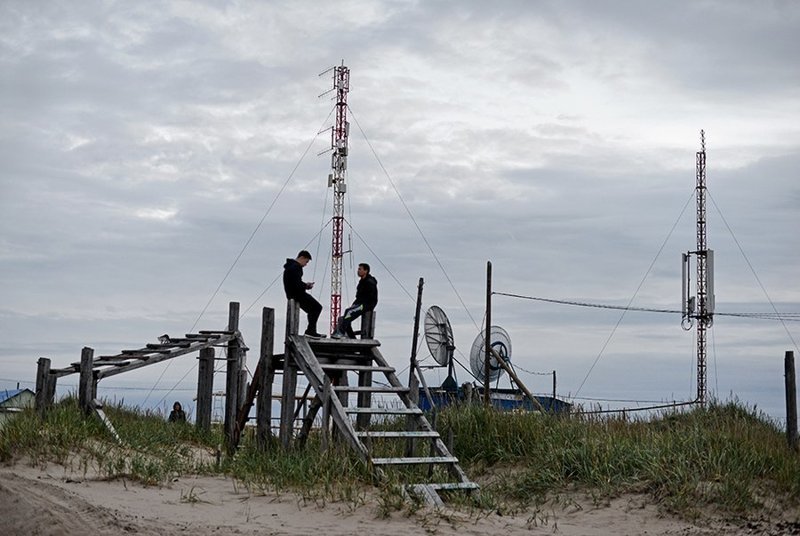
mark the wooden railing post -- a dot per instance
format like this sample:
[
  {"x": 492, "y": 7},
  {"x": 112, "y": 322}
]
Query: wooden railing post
[
  {"x": 205, "y": 388},
  {"x": 85, "y": 384},
  {"x": 791, "y": 401},
  {"x": 232, "y": 378},
  {"x": 42, "y": 377},
  {"x": 289, "y": 376},
  {"x": 266, "y": 370}
]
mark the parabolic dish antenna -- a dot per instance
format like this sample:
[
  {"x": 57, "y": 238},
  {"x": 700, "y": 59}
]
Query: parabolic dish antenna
[
  {"x": 439, "y": 335},
  {"x": 501, "y": 343}
]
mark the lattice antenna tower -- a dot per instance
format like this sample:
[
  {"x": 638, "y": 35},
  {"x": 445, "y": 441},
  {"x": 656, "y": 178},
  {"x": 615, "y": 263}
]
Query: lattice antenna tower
[
  {"x": 336, "y": 180},
  {"x": 700, "y": 308}
]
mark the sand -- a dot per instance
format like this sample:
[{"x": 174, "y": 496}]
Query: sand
[{"x": 52, "y": 501}]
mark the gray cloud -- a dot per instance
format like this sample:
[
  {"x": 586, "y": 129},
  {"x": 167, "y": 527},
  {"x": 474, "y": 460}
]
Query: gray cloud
[{"x": 141, "y": 146}]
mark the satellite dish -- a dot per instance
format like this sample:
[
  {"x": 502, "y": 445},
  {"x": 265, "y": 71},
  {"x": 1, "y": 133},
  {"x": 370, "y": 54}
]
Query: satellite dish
[
  {"x": 501, "y": 343},
  {"x": 439, "y": 335}
]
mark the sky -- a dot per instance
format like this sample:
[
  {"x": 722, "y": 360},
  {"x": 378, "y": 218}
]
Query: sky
[{"x": 161, "y": 159}]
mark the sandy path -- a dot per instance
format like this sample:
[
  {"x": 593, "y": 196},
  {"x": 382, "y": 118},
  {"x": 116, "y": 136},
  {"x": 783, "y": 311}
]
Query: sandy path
[{"x": 48, "y": 502}]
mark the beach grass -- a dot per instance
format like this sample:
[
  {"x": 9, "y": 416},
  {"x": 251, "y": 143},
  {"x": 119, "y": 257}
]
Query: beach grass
[{"x": 725, "y": 457}]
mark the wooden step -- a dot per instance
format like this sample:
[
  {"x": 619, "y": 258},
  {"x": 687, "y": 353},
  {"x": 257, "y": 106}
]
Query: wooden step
[
  {"x": 413, "y": 461},
  {"x": 203, "y": 336},
  {"x": 144, "y": 351},
  {"x": 369, "y": 389},
  {"x": 168, "y": 345},
  {"x": 349, "y": 359},
  {"x": 394, "y": 434},
  {"x": 338, "y": 344},
  {"x": 384, "y": 411},
  {"x": 355, "y": 368},
  {"x": 452, "y": 486}
]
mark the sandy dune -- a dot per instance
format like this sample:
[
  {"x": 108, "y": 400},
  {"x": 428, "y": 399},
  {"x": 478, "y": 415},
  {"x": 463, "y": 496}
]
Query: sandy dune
[{"x": 50, "y": 501}]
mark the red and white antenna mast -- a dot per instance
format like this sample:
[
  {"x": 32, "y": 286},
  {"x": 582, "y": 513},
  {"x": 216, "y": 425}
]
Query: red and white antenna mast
[{"x": 336, "y": 180}]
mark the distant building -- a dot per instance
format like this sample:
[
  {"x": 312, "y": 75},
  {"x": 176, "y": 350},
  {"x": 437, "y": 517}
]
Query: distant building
[{"x": 13, "y": 401}]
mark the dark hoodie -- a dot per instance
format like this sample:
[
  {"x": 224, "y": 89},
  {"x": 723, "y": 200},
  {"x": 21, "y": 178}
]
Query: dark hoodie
[
  {"x": 367, "y": 292},
  {"x": 293, "y": 280}
]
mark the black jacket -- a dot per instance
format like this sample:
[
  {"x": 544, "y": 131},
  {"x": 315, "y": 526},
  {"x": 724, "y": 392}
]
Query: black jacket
[
  {"x": 293, "y": 280},
  {"x": 367, "y": 293}
]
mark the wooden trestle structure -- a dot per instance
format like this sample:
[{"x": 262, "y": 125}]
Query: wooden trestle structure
[{"x": 406, "y": 444}]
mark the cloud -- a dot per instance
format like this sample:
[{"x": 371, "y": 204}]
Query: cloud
[{"x": 147, "y": 149}]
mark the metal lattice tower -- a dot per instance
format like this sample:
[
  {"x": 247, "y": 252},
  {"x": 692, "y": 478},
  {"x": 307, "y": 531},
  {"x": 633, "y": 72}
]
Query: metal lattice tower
[
  {"x": 704, "y": 312},
  {"x": 336, "y": 180}
]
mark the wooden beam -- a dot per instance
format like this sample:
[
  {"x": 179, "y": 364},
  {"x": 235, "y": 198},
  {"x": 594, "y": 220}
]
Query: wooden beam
[
  {"x": 316, "y": 376},
  {"x": 42, "y": 375},
  {"x": 289, "y": 376},
  {"x": 232, "y": 377},
  {"x": 106, "y": 373},
  {"x": 516, "y": 379},
  {"x": 264, "y": 376},
  {"x": 85, "y": 385},
  {"x": 205, "y": 387}
]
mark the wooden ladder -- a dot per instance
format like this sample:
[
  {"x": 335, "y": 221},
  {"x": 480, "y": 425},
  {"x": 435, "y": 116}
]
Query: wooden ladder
[{"x": 324, "y": 361}]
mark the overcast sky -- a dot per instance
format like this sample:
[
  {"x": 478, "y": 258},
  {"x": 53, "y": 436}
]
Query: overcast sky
[{"x": 141, "y": 144}]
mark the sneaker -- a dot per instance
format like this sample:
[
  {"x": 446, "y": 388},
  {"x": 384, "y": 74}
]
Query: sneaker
[
  {"x": 337, "y": 335},
  {"x": 314, "y": 335}
]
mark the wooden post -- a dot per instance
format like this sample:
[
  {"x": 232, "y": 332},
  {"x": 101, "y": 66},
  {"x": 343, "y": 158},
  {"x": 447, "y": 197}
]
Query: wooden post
[
  {"x": 326, "y": 413},
  {"x": 413, "y": 381},
  {"x": 415, "y": 336},
  {"x": 85, "y": 388},
  {"x": 791, "y": 401},
  {"x": 266, "y": 370},
  {"x": 411, "y": 423},
  {"x": 205, "y": 388},
  {"x": 232, "y": 378},
  {"x": 488, "y": 336},
  {"x": 289, "y": 376},
  {"x": 554, "y": 389},
  {"x": 364, "y": 400},
  {"x": 42, "y": 377},
  {"x": 513, "y": 375},
  {"x": 50, "y": 389},
  {"x": 244, "y": 385},
  {"x": 368, "y": 325}
]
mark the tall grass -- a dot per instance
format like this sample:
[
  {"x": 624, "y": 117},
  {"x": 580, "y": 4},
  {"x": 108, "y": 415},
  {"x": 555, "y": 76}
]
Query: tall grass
[{"x": 726, "y": 456}]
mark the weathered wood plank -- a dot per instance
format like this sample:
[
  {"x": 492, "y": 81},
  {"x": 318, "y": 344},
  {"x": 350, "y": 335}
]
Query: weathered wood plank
[
  {"x": 384, "y": 411},
  {"x": 415, "y": 460},
  {"x": 355, "y": 368},
  {"x": 157, "y": 358},
  {"x": 265, "y": 378},
  {"x": 395, "y": 434},
  {"x": 451, "y": 486},
  {"x": 370, "y": 389}
]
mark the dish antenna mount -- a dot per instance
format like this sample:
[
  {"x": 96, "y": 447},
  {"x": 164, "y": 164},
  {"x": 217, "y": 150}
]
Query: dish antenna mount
[
  {"x": 439, "y": 337},
  {"x": 500, "y": 343}
]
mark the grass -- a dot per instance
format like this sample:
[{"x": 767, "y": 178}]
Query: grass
[{"x": 726, "y": 457}]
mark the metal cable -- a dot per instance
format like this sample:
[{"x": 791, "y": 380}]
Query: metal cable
[{"x": 410, "y": 215}]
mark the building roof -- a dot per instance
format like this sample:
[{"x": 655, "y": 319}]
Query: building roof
[{"x": 8, "y": 394}]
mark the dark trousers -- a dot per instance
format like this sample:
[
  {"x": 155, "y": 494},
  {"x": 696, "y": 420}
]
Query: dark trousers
[
  {"x": 346, "y": 320},
  {"x": 313, "y": 308}
]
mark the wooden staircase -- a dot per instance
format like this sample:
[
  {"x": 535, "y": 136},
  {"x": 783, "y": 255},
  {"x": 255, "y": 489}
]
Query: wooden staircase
[{"x": 415, "y": 453}]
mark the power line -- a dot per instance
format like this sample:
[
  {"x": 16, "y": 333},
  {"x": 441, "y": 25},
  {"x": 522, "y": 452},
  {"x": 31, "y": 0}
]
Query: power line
[
  {"x": 790, "y": 317},
  {"x": 250, "y": 239},
  {"x": 747, "y": 260},
  {"x": 410, "y": 215},
  {"x": 619, "y": 321}
]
